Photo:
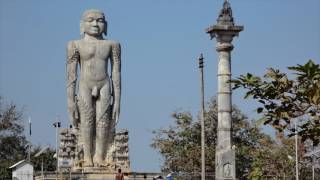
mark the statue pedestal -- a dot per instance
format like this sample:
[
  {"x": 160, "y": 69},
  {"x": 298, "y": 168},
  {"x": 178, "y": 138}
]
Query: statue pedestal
[
  {"x": 80, "y": 175},
  {"x": 96, "y": 175},
  {"x": 101, "y": 175},
  {"x": 70, "y": 153},
  {"x": 99, "y": 170}
]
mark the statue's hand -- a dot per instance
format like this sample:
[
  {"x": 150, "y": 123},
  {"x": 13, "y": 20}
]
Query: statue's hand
[
  {"x": 116, "y": 112},
  {"x": 73, "y": 114}
]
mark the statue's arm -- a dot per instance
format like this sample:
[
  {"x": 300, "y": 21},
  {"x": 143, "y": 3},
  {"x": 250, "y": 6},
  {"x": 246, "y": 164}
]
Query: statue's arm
[
  {"x": 116, "y": 79},
  {"x": 73, "y": 58}
]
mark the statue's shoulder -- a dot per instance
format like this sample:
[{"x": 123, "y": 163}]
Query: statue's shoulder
[
  {"x": 112, "y": 43},
  {"x": 73, "y": 44}
]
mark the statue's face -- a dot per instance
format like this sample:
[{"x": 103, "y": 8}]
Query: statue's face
[{"x": 94, "y": 24}]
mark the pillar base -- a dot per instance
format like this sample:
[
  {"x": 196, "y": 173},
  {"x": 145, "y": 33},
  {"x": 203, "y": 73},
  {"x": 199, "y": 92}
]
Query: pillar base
[{"x": 225, "y": 164}]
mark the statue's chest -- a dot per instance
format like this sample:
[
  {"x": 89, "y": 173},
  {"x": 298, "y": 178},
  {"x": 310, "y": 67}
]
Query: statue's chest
[{"x": 94, "y": 50}]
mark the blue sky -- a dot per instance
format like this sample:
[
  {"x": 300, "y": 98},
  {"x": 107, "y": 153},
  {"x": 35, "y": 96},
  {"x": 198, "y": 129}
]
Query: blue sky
[{"x": 161, "y": 40}]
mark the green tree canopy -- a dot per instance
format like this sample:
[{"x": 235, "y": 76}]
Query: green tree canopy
[
  {"x": 283, "y": 100},
  {"x": 45, "y": 158},
  {"x": 258, "y": 155},
  {"x": 13, "y": 143},
  {"x": 179, "y": 144},
  {"x": 12, "y": 140}
]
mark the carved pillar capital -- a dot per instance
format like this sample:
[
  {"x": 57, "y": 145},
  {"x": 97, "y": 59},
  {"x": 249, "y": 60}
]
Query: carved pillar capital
[{"x": 224, "y": 46}]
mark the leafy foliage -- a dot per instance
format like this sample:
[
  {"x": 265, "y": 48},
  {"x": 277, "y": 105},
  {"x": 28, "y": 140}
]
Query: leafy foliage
[
  {"x": 13, "y": 143},
  {"x": 46, "y": 158},
  {"x": 284, "y": 100},
  {"x": 258, "y": 155},
  {"x": 179, "y": 141},
  {"x": 12, "y": 140},
  {"x": 271, "y": 159},
  {"x": 179, "y": 144}
]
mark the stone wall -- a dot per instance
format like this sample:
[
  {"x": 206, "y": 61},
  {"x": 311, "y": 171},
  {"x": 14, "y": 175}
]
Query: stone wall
[
  {"x": 71, "y": 154},
  {"x": 121, "y": 155}
]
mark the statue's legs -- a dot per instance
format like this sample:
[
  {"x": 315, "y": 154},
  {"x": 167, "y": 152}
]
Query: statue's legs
[
  {"x": 102, "y": 125},
  {"x": 111, "y": 134},
  {"x": 87, "y": 123}
]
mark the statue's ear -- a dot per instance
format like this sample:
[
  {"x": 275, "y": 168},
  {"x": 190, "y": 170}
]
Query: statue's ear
[
  {"x": 81, "y": 29},
  {"x": 105, "y": 32}
]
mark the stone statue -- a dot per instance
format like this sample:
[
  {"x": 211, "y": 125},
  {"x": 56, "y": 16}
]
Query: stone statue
[{"x": 94, "y": 100}]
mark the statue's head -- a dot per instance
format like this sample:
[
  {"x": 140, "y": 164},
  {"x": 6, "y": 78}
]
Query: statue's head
[{"x": 93, "y": 23}]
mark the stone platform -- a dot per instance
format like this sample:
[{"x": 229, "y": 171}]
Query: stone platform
[
  {"x": 71, "y": 153},
  {"x": 94, "y": 176}
]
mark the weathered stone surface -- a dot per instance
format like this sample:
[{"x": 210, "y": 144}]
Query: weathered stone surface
[
  {"x": 121, "y": 152},
  {"x": 98, "y": 176},
  {"x": 224, "y": 31},
  {"x": 70, "y": 155},
  {"x": 94, "y": 99}
]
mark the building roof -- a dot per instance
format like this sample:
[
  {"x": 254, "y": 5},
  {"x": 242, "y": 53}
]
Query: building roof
[{"x": 19, "y": 163}]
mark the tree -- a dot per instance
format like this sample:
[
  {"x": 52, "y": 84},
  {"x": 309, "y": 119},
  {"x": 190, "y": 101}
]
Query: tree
[
  {"x": 283, "y": 100},
  {"x": 271, "y": 159},
  {"x": 46, "y": 158},
  {"x": 179, "y": 144},
  {"x": 179, "y": 141},
  {"x": 12, "y": 141}
]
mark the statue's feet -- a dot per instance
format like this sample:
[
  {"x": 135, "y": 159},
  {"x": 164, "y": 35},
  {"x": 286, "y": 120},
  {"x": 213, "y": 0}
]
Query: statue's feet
[
  {"x": 98, "y": 161},
  {"x": 88, "y": 162}
]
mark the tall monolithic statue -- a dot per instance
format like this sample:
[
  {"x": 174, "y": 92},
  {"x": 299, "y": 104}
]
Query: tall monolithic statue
[{"x": 94, "y": 99}]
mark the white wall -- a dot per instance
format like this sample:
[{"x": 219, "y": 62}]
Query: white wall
[{"x": 23, "y": 172}]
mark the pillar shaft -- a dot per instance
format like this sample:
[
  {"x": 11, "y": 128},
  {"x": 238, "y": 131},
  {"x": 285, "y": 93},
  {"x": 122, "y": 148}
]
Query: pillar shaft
[
  {"x": 225, "y": 155},
  {"x": 224, "y": 95}
]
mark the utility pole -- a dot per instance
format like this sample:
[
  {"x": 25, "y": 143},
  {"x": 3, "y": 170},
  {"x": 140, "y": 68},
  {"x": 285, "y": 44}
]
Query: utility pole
[
  {"x": 57, "y": 126},
  {"x": 314, "y": 156},
  {"x": 38, "y": 154},
  {"x": 297, "y": 158},
  {"x": 203, "y": 162},
  {"x": 29, "y": 146}
]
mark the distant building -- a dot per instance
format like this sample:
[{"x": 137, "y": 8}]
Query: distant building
[{"x": 22, "y": 170}]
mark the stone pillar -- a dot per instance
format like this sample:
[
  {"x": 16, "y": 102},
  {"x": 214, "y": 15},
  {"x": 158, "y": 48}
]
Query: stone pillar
[
  {"x": 225, "y": 154},
  {"x": 224, "y": 31},
  {"x": 224, "y": 95}
]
